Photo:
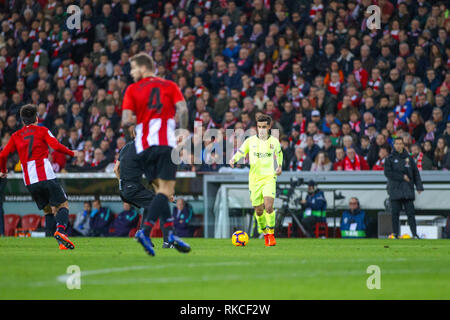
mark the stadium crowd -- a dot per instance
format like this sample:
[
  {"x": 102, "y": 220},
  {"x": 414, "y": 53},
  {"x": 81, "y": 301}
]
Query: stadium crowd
[{"x": 338, "y": 91}]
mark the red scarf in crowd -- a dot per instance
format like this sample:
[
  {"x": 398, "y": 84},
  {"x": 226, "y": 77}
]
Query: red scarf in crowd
[
  {"x": 174, "y": 58},
  {"x": 314, "y": 10},
  {"x": 379, "y": 165},
  {"x": 302, "y": 126},
  {"x": 352, "y": 166},
  {"x": 334, "y": 88},
  {"x": 361, "y": 76},
  {"x": 355, "y": 126},
  {"x": 418, "y": 160},
  {"x": 299, "y": 164},
  {"x": 59, "y": 46},
  {"x": 375, "y": 84},
  {"x": 37, "y": 57}
]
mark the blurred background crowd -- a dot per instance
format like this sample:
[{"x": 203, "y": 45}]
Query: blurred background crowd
[{"x": 338, "y": 92}]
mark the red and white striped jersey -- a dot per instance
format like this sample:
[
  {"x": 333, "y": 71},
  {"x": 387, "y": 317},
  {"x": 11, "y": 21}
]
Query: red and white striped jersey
[
  {"x": 32, "y": 143},
  {"x": 153, "y": 100}
]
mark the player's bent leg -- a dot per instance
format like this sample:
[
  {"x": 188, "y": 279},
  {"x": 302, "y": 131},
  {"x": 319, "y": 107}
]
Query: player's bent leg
[
  {"x": 50, "y": 222},
  {"x": 62, "y": 220},
  {"x": 166, "y": 191},
  {"x": 269, "y": 215}
]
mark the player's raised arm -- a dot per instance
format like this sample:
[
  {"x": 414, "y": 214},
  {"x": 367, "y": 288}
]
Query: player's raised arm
[{"x": 55, "y": 145}]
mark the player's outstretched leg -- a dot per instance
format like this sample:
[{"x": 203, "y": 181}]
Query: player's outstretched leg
[
  {"x": 143, "y": 235},
  {"x": 50, "y": 224},
  {"x": 270, "y": 221},
  {"x": 62, "y": 220}
]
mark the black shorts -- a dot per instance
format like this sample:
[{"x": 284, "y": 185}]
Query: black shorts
[
  {"x": 136, "y": 194},
  {"x": 156, "y": 162},
  {"x": 47, "y": 192}
]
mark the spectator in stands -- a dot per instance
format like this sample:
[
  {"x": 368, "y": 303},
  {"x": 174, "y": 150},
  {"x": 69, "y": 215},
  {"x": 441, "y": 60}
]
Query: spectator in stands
[
  {"x": 353, "y": 221},
  {"x": 81, "y": 225},
  {"x": 354, "y": 162},
  {"x": 338, "y": 164},
  {"x": 249, "y": 51},
  {"x": 321, "y": 163},
  {"x": 300, "y": 161},
  {"x": 182, "y": 217},
  {"x": 125, "y": 221},
  {"x": 382, "y": 155},
  {"x": 100, "y": 220}
]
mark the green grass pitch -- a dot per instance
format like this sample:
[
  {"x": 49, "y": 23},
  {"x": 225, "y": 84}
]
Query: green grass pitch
[{"x": 118, "y": 268}]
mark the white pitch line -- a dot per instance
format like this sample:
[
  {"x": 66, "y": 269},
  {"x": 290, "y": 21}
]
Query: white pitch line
[
  {"x": 239, "y": 277},
  {"x": 63, "y": 278}
]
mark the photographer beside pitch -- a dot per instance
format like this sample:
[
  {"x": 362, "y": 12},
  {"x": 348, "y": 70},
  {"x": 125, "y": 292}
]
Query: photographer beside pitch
[{"x": 402, "y": 174}]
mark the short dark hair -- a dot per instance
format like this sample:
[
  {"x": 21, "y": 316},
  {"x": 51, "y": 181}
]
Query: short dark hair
[
  {"x": 28, "y": 114},
  {"x": 264, "y": 118}
]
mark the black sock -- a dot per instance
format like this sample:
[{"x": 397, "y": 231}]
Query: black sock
[
  {"x": 50, "y": 224},
  {"x": 62, "y": 219},
  {"x": 159, "y": 208}
]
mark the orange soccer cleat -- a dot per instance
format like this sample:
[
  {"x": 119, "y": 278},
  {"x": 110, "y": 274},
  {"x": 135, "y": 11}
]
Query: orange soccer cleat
[
  {"x": 266, "y": 240},
  {"x": 64, "y": 240},
  {"x": 272, "y": 241},
  {"x": 62, "y": 247}
]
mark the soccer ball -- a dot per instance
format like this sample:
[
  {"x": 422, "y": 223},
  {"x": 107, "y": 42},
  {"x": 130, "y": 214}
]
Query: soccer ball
[{"x": 239, "y": 238}]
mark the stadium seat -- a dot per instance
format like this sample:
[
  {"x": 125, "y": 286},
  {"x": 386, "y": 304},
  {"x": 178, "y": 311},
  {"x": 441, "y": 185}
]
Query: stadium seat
[
  {"x": 29, "y": 222},
  {"x": 198, "y": 232},
  {"x": 321, "y": 229},
  {"x": 289, "y": 231},
  {"x": 156, "y": 231},
  {"x": 43, "y": 221},
  {"x": 11, "y": 222},
  {"x": 72, "y": 218}
]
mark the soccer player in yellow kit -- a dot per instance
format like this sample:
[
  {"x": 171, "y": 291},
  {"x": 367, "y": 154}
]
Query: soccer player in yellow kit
[{"x": 266, "y": 159}]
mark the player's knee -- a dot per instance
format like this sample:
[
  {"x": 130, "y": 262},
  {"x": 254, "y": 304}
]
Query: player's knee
[
  {"x": 48, "y": 210},
  {"x": 63, "y": 205},
  {"x": 259, "y": 210},
  {"x": 269, "y": 208}
]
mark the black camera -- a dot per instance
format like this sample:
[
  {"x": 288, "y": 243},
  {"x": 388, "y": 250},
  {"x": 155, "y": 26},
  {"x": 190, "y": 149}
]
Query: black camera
[{"x": 285, "y": 194}]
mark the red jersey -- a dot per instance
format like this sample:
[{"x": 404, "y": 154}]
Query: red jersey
[
  {"x": 153, "y": 101},
  {"x": 32, "y": 142}
]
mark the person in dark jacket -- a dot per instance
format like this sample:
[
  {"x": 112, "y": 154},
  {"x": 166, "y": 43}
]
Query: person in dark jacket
[
  {"x": 100, "y": 221},
  {"x": 125, "y": 221},
  {"x": 402, "y": 174},
  {"x": 182, "y": 216},
  {"x": 353, "y": 221},
  {"x": 315, "y": 206}
]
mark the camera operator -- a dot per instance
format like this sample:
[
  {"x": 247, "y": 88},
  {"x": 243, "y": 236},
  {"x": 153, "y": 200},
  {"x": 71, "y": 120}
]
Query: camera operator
[{"x": 315, "y": 207}]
